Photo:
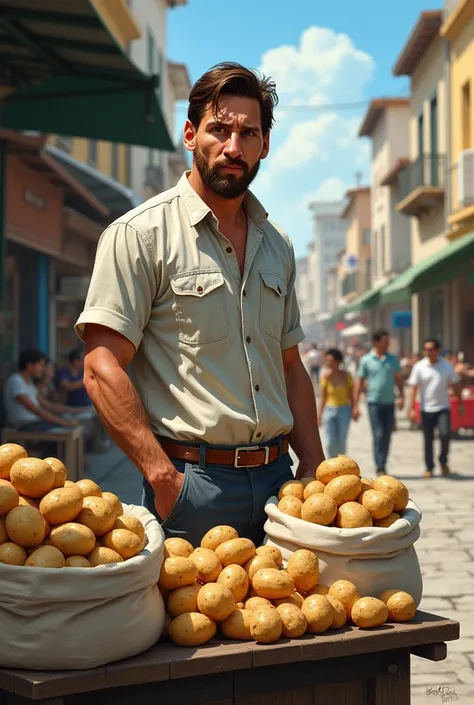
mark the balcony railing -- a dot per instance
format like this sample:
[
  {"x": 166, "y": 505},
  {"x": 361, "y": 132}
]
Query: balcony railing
[{"x": 428, "y": 170}]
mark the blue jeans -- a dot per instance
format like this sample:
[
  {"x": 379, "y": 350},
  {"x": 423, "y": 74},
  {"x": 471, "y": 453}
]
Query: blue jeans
[
  {"x": 216, "y": 494},
  {"x": 382, "y": 417},
  {"x": 429, "y": 421},
  {"x": 336, "y": 428}
]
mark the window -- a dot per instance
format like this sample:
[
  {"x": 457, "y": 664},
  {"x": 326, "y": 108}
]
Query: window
[
  {"x": 421, "y": 139},
  {"x": 466, "y": 116},
  {"x": 114, "y": 161},
  {"x": 92, "y": 152}
]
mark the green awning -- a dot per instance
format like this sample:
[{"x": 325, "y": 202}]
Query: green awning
[
  {"x": 365, "y": 301},
  {"x": 337, "y": 315},
  {"x": 432, "y": 271},
  {"x": 70, "y": 76}
]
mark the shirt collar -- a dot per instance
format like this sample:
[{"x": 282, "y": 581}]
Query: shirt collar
[
  {"x": 198, "y": 210},
  {"x": 374, "y": 354}
]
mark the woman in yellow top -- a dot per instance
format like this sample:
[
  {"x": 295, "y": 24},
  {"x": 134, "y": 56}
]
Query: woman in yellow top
[{"x": 337, "y": 403}]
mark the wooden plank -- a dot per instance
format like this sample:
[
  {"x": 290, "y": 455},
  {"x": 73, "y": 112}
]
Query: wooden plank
[
  {"x": 41, "y": 685},
  {"x": 6, "y": 680},
  {"x": 392, "y": 687},
  {"x": 431, "y": 652},
  {"x": 150, "y": 667},
  {"x": 208, "y": 659},
  {"x": 351, "y": 693},
  {"x": 301, "y": 696}
]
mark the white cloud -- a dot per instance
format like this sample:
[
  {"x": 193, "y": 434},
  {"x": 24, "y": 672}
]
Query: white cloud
[{"x": 331, "y": 189}]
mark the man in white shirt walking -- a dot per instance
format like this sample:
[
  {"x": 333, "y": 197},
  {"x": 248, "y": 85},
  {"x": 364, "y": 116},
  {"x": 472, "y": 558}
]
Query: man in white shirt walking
[{"x": 433, "y": 376}]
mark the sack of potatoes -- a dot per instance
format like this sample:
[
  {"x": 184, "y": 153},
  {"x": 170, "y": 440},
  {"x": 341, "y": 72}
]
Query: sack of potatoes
[
  {"x": 362, "y": 530},
  {"x": 77, "y": 566},
  {"x": 228, "y": 586}
]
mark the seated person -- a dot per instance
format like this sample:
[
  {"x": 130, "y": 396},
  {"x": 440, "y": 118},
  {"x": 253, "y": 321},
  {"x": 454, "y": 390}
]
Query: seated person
[
  {"x": 70, "y": 381},
  {"x": 25, "y": 407}
]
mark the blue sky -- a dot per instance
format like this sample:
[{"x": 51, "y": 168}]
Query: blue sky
[{"x": 319, "y": 53}]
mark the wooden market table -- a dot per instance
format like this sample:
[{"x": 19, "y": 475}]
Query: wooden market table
[{"x": 345, "y": 667}]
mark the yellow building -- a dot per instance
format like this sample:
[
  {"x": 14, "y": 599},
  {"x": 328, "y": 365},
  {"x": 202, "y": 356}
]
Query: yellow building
[{"x": 355, "y": 270}]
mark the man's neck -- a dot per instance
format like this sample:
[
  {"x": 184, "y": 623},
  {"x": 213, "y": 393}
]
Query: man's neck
[
  {"x": 26, "y": 376},
  {"x": 227, "y": 211},
  {"x": 379, "y": 353}
]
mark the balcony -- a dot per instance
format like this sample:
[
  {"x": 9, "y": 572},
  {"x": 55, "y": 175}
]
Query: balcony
[
  {"x": 461, "y": 205},
  {"x": 421, "y": 185}
]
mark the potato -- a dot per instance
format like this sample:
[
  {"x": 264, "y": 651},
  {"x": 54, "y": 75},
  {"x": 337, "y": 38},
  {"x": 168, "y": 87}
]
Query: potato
[
  {"x": 369, "y": 612},
  {"x": 313, "y": 487},
  {"x": 9, "y": 497},
  {"x": 46, "y": 557},
  {"x": 77, "y": 562},
  {"x": 266, "y": 625},
  {"x": 294, "y": 599},
  {"x": 98, "y": 515},
  {"x": 133, "y": 524},
  {"x": 257, "y": 563},
  {"x": 215, "y": 601},
  {"x": 218, "y": 535},
  {"x": 391, "y": 519},
  {"x": 291, "y": 505},
  {"x": 401, "y": 605},
  {"x": 47, "y": 528},
  {"x": 318, "y": 612},
  {"x": 318, "y": 590},
  {"x": 303, "y": 567},
  {"x": 353, "y": 515},
  {"x": 73, "y": 539},
  {"x": 345, "y": 488},
  {"x": 319, "y": 509},
  {"x": 207, "y": 563},
  {"x": 61, "y": 505},
  {"x": 12, "y": 554},
  {"x": 9, "y": 454},
  {"x": 294, "y": 621},
  {"x": 254, "y": 603},
  {"x": 125, "y": 542},
  {"x": 59, "y": 470},
  {"x": 334, "y": 467},
  {"x": 377, "y": 504},
  {"x": 339, "y": 614},
  {"x": 184, "y": 599},
  {"x": 32, "y": 477},
  {"x": 273, "y": 584},
  {"x": 346, "y": 592},
  {"x": 237, "y": 625},
  {"x": 394, "y": 489},
  {"x": 100, "y": 555},
  {"x": 239, "y": 606},
  {"x": 366, "y": 485},
  {"x": 273, "y": 552},
  {"x": 176, "y": 572},
  {"x": 89, "y": 488},
  {"x": 235, "y": 578},
  {"x": 178, "y": 547},
  {"x": 25, "y": 526},
  {"x": 237, "y": 551},
  {"x": 191, "y": 629},
  {"x": 3, "y": 530},
  {"x": 292, "y": 487},
  {"x": 70, "y": 483},
  {"x": 114, "y": 502},
  {"x": 28, "y": 502}
]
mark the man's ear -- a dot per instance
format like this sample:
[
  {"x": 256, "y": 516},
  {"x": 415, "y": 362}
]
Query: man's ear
[
  {"x": 266, "y": 146},
  {"x": 189, "y": 136}
]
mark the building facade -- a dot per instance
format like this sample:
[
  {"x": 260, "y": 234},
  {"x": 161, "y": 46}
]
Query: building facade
[
  {"x": 355, "y": 267},
  {"x": 328, "y": 238}
]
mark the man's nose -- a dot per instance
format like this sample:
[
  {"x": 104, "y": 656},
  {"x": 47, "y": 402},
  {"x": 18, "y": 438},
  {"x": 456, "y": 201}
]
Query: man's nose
[{"x": 233, "y": 147}]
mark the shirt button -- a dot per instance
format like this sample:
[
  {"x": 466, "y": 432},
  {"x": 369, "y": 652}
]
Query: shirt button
[
  {"x": 199, "y": 290},
  {"x": 258, "y": 434},
  {"x": 257, "y": 387},
  {"x": 229, "y": 250},
  {"x": 244, "y": 293},
  {"x": 248, "y": 339}
]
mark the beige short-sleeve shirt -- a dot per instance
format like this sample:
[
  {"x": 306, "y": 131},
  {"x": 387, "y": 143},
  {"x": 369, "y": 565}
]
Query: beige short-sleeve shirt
[{"x": 209, "y": 342}]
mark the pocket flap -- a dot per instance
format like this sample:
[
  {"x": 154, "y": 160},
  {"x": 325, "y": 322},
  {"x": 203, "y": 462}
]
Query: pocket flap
[
  {"x": 273, "y": 281},
  {"x": 196, "y": 283}
]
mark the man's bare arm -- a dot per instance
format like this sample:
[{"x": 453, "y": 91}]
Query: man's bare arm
[
  {"x": 304, "y": 437},
  {"x": 121, "y": 411},
  {"x": 69, "y": 386},
  {"x": 358, "y": 391},
  {"x": 42, "y": 414}
]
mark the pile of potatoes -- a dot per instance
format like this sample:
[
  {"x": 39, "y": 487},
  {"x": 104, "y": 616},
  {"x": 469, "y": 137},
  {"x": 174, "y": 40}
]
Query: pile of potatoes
[
  {"x": 229, "y": 583},
  {"x": 47, "y": 521},
  {"x": 339, "y": 496}
]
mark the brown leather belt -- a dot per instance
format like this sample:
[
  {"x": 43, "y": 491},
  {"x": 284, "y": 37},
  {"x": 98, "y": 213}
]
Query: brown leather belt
[{"x": 240, "y": 457}]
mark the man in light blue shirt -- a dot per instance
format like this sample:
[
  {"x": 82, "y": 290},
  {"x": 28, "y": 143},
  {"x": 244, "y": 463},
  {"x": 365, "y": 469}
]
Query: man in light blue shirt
[{"x": 381, "y": 372}]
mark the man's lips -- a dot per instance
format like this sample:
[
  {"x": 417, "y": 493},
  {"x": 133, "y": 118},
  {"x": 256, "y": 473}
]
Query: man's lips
[{"x": 232, "y": 167}]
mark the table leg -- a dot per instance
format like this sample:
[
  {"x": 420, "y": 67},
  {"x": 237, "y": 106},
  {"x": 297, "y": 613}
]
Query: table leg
[{"x": 392, "y": 686}]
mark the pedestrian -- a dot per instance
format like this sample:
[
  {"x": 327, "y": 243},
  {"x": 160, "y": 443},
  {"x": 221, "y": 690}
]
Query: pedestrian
[
  {"x": 381, "y": 372},
  {"x": 337, "y": 403},
  {"x": 194, "y": 292},
  {"x": 72, "y": 383},
  {"x": 313, "y": 359},
  {"x": 432, "y": 377}
]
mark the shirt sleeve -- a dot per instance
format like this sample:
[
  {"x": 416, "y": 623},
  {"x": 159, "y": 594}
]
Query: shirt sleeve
[
  {"x": 16, "y": 386},
  {"x": 292, "y": 333},
  {"x": 414, "y": 378},
  {"x": 362, "y": 371},
  {"x": 124, "y": 284}
]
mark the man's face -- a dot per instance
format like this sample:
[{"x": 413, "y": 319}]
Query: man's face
[
  {"x": 37, "y": 369},
  {"x": 383, "y": 344},
  {"x": 228, "y": 147},
  {"x": 431, "y": 351}
]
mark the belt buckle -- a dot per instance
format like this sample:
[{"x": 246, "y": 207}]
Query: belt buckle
[{"x": 237, "y": 456}]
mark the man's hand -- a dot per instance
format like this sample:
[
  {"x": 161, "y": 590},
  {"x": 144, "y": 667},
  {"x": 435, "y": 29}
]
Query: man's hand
[
  {"x": 400, "y": 403},
  {"x": 412, "y": 415},
  {"x": 355, "y": 414},
  {"x": 306, "y": 469},
  {"x": 167, "y": 486}
]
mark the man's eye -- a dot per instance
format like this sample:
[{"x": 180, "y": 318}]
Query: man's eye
[
  {"x": 217, "y": 129},
  {"x": 248, "y": 133}
]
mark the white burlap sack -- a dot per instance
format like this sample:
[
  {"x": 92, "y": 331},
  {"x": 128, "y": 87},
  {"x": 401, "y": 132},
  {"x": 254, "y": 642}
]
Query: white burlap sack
[
  {"x": 374, "y": 559},
  {"x": 74, "y": 618}
]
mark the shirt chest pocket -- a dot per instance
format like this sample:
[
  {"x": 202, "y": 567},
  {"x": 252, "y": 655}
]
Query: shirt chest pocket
[
  {"x": 199, "y": 305},
  {"x": 272, "y": 306}
]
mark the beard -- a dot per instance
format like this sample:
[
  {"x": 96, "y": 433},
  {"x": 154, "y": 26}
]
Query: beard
[{"x": 231, "y": 185}]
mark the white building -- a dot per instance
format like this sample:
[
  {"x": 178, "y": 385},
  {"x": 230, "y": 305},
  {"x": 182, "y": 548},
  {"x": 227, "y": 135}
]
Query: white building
[
  {"x": 153, "y": 171},
  {"x": 328, "y": 237}
]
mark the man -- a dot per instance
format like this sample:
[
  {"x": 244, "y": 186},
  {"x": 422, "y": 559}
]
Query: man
[
  {"x": 25, "y": 408},
  {"x": 195, "y": 290},
  {"x": 433, "y": 376},
  {"x": 71, "y": 381},
  {"x": 381, "y": 372},
  {"x": 312, "y": 362}
]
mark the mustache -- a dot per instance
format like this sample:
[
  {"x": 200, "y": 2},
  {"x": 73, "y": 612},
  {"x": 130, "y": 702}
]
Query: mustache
[{"x": 234, "y": 162}]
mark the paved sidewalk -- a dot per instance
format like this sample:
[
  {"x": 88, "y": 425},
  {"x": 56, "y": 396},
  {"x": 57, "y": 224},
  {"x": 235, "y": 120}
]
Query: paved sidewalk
[{"x": 446, "y": 547}]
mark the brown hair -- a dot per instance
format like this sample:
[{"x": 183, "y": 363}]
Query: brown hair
[{"x": 230, "y": 78}]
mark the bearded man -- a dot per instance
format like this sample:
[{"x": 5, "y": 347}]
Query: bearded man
[{"x": 192, "y": 328}]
